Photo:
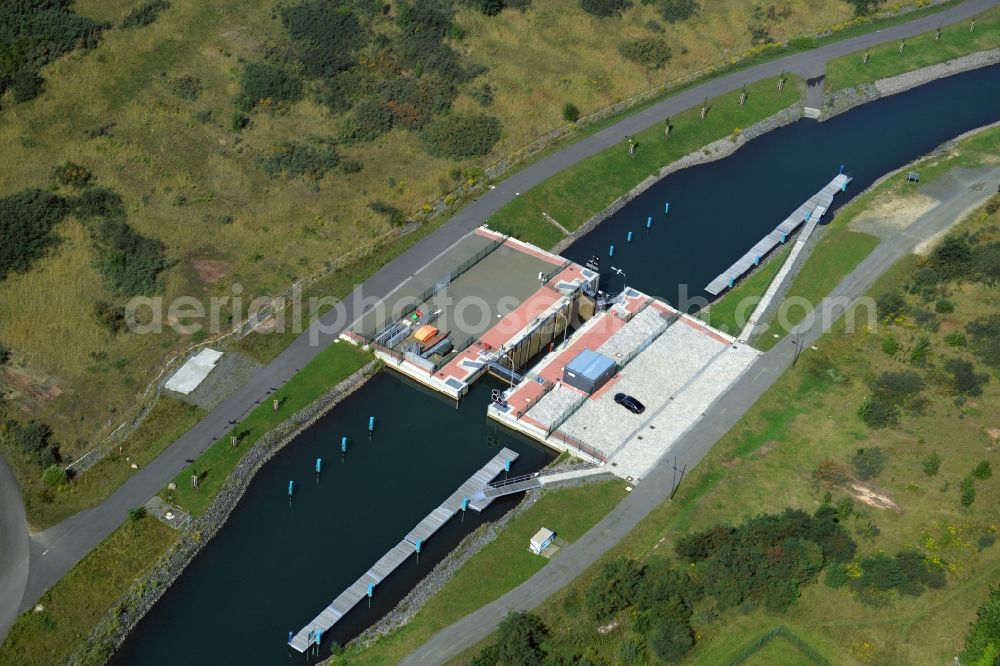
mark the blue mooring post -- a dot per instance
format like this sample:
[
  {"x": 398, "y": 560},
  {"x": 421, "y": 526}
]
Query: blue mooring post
[
  {"x": 371, "y": 591},
  {"x": 611, "y": 251},
  {"x": 506, "y": 468},
  {"x": 319, "y": 638},
  {"x": 731, "y": 281},
  {"x": 291, "y": 486},
  {"x": 343, "y": 444},
  {"x": 649, "y": 222},
  {"x": 843, "y": 186},
  {"x": 628, "y": 237},
  {"x": 841, "y": 168},
  {"x": 465, "y": 505},
  {"x": 371, "y": 424},
  {"x": 289, "y": 638},
  {"x": 666, "y": 208},
  {"x": 419, "y": 544},
  {"x": 756, "y": 260},
  {"x": 319, "y": 464},
  {"x": 784, "y": 237},
  {"x": 808, "y": 215}
]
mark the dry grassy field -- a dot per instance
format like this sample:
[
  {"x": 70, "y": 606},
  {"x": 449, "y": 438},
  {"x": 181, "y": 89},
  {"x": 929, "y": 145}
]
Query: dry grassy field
[{"x": 190, "y": 181}]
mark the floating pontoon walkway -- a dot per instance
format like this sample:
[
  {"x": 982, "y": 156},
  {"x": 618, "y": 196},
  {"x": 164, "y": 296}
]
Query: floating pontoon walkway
[
  {"x": 811, "y": 209},
  {"x": 470, "y": 492}
]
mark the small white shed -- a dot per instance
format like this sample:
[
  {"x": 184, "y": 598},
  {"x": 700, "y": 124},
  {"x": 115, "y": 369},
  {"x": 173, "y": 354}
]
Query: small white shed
[{"x": 541, "y": 540}]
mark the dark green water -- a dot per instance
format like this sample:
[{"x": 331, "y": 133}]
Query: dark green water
[{"x": 273, "y": 566}]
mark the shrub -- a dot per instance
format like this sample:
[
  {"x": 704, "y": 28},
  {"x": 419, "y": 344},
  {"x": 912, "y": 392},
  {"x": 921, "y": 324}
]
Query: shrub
[
  {"x": 869, "y": 462},
  {"x": 605, "y": 8},
  {"x": 985, "y": 540},
  {"x": 964, "y": 380},
  {"x": 261, "y": 81},
  {"x": 519, "y": 641},
  {"x": 654, "y": 26},
  {"x": 395, "y": 216},
  {"x": 570, "y": 113},
  {"x": 967, "y": 488},
  {"x": 71, "y": 174},
  {"x": 952, "y": 258},
  {"x": 488, "y": 7},
  {"x": 955, "y": 339},
  {"x": 830, "y": 471},
  {"x": 325, "y": 33},
  {"x": 986, "y": 262},
  {"x": 461, "y": 136},
  {"x": 898, "y": 387},
  {"x": 651, "y": 52},
  {"x": 879, "y": 414},
  {"x": 54, "y": 476},
  {"x": 944, "y": 306},
  {"x": 981, "y": 639},
  {"x": 918, "y": 355},
  {"x": 890, "y": 345},
  {"x": 5, "y": 354},
  {"x": 865, "y": 7},
  {"x": 369, "y": 121},
  {"x": 34, "y": 440},
  {"x": 129, "y": 262},
  {"x": 145, "y": 14},
  {"x": 985, "y": 333},
  {"x": 677, "y": 10},
  {"x": 186, "y": 87},
  {"x": 614, "y": 588},
  {"x": 98, "y": 202},
  {"x": 836, "y": 575},
  {"x": 294, "y": 159},
  {"x": 238, "y": 121},
  {"x": 482, "y": 94},
  {"x": 891, "y": 305},
  {"x": 27, "y": 219},
  {"x": 112, "y": 317},
  {"x": 982, "y": 470},
  {"x": 932, "y": 464},
  {"x": 135, "y": 514},
  {"x": 27, "y": 85},
  {"x": 670, "y": 641},
  {"x": 34, "y": 33}
]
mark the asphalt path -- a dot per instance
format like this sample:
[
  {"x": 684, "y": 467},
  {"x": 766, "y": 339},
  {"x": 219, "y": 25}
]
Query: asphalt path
[
  {"x": 54, "y": 551},
  {"x": 695, "y": 444},
  {"x": 13, "y": 545}
]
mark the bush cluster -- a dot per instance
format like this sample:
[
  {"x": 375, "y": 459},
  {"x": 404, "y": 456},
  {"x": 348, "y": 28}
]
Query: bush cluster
[
  {"x": 71, "y": 174},
  {"x": 605, "y": 8},
  {"x": 985, "y": 334},
  {"x": 294, "y": 159},
  {"x": 460, "y": 136},
  {"x": 262, "y": 82},
  {"x": 869, "y": 462},
  {"x": 186, "y": 87},
  {"x": 27, "y": 219},
  {"x": 145, "y": 14},
  {"x": 768, "y": 558},
  {"x": 651, "y": 52},
  {"x": 982, "y": 641},
  {"x": 129, "y": 262},
  {"x": 31, "y": 440},
  {"x": 876, "y": 578},
  {"x": 395, "y": 216},
  {"x": 673, "y": 11},
  {"x": 34, "y": 33}
]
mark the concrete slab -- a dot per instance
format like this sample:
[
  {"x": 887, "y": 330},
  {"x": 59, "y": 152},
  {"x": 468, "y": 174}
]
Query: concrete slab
[{"x": 193, "y": 372}]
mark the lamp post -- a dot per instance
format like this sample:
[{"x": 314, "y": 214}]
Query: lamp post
[
  {"x": 511, "y": 359},
  {"x": 622, "y": 273}
]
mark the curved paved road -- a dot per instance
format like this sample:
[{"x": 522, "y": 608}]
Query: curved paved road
[
  {"x": 718, "y": 419},
  {"x": 56, "y": 550}
]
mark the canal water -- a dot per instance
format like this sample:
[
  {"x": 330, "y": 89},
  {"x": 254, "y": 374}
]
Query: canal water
[
  {"x": 719, "y": 210},
  {"x": 274, "y": 566}
]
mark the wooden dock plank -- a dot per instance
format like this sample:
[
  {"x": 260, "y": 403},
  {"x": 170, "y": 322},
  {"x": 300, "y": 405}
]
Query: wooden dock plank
[{"x": 473, "y": 488}]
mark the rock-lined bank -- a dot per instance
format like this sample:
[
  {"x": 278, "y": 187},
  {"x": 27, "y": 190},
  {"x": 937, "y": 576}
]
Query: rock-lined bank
[
  {"x": 112, "y": 629},
  {"x": 839, "y": 101}
]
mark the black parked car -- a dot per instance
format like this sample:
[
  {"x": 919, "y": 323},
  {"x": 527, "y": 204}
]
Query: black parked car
[{"x": 630, "y": 403}]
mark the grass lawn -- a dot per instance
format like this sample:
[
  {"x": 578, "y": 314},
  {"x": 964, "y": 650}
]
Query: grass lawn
[
  {"x": 168, "y": 420},
  {"x": 765, "y": 464},
  {"x": 501, "y": 566},
  {"x": 731, "y": 312},
  {"x": 920, "y": 51},
  {"x": 335, "y": 363},
  {"x": 576, "y": 194},
  {"x": 75, "y": 603}
]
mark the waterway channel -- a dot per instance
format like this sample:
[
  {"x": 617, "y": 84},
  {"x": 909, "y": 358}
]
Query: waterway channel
[{"x": 275, "y": 565}]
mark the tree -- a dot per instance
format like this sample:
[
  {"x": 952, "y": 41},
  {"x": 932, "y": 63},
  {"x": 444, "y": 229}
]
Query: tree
[
  {"x": 964, "y": 380},
  {"x": 570, "y": 113},
  {"x": 891, "y": 305},
  {"x": 968, "y": 491},
  {"x": 673, "y": 11},
  {"x": 878, "y": 413},
  {"x": 982, "y": 641},
  {"x": 135, "y": 514},
  {"x": 953, "y": 257},
  {"x": 932, "y": 464},
  {"x": 519, "y": 640}
]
